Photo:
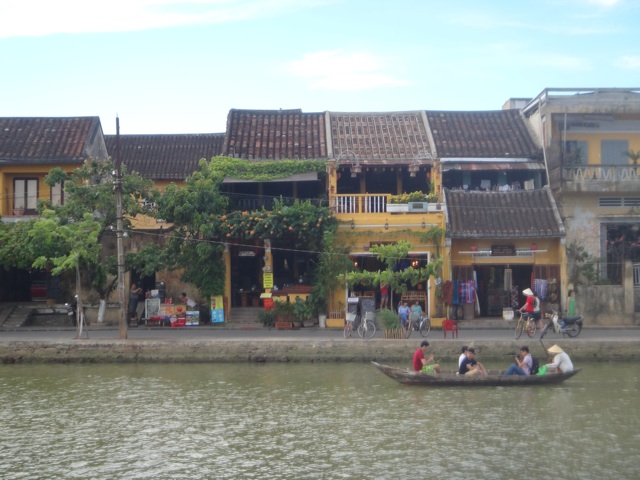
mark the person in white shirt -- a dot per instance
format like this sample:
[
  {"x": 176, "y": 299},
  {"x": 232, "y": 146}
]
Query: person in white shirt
[
  {"x": 463, "y": 355},
  {"x": 561, "y": 361}
]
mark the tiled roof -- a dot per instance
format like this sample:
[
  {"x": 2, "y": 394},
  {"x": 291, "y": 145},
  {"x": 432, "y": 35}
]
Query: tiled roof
[
  {"x": 275, "y": 135},
  {"x": 389, "y": 137},
  {"x": 165, "y": 157},
  {"x": 515, "y": 214},
  {"x": 489, "y": 134},
  {"x": 47, "y": 140}
]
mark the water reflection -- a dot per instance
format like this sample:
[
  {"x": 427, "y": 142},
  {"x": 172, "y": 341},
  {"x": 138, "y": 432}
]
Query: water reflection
[{"x": 308, "y": 421}]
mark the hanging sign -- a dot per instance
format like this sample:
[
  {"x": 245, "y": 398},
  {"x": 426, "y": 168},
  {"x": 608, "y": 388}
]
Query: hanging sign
[{"x": 503, "y": 250}]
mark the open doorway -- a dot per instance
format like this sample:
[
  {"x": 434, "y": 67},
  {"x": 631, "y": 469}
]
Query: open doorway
[{"x": 501, "y": 286}]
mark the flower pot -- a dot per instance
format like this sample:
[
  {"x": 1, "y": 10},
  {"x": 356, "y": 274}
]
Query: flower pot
[
  {"x": 397, "y": 207},
  {"x": 284, "y": 325}
]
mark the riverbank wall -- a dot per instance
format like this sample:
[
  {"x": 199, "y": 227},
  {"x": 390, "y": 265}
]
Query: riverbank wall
[{"x": 280, "y": 351}]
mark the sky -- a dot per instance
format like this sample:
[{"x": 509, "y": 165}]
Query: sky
[{"x": 169, "y": 66}]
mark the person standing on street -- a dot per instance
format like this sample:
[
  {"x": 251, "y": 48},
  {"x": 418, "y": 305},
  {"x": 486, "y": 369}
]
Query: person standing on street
[
  {"x": 134, "y": 298},
  {"x": 384, "y": 295}
]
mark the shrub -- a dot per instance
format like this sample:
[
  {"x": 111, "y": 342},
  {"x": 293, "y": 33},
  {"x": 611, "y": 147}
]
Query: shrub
[{"x": 387, "y": 318}]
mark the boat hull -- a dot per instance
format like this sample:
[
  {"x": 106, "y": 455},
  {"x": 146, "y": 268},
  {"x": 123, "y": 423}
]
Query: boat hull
[{"x": 451, "y": 379}]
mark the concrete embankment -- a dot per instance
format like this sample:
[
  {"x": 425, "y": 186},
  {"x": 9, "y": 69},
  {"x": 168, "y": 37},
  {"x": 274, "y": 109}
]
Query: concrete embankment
[{"x": 295, "y": 350}]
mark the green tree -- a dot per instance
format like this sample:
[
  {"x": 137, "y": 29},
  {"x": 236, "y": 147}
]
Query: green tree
[
  {"x": 194, "y": 245},
  {"x": 398, "y": 280},
  {"x": 90, "y": 189}
]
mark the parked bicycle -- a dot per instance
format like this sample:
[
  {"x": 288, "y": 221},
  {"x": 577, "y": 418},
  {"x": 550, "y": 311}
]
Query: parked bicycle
[
  {"x": 525, "y": 323},
  {"x": 366, "y": 328},
  {"x": 421, "y": 322}
]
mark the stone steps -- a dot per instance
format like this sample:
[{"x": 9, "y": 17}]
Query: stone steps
[
  {"x": 17, "y": 317},
  {"x": 245, "y": 316}
]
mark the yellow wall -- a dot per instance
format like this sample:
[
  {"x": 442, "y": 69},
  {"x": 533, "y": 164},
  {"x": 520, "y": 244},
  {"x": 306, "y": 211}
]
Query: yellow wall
[
  {"x": 593, "y": 140},
  {"x": 9, "y": 173}
]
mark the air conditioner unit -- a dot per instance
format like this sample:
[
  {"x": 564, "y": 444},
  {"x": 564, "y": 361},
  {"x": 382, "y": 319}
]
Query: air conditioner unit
[{"x": 418, "y": 206}]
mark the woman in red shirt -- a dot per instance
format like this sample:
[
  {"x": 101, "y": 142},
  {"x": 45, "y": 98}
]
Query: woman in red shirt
[{"x": 528, "y": 305}]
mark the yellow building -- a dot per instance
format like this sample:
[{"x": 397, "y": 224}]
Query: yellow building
[
  {"x": 591, "y": 142},
  {"x": 29, "y": 148},
  {"x": 503, "y": 227}
]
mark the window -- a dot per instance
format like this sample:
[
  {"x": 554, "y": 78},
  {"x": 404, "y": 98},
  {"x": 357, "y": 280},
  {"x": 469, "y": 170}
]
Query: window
[
  {"x": 576, "y": 152},
  {"x": 25, "y": 194},
  {"x": 57, "y": 194},
  {"x": 614, "y": 152},
  {"x": 610, "y": 202}
]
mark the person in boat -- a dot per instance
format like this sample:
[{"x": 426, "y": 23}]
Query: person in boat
[
  {"x": 403, "y": 313},
  {"x": 560, "y": 363},
  {"x": 463, "y": 355},
  {"x": 470, "y": 366},
  {"x": 420, "y": 363},
  {"x": 523, "y": 364}
]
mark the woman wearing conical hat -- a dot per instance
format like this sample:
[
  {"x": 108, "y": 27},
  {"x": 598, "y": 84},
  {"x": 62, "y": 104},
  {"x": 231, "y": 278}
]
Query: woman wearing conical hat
[{"x": 560, "y": 362}]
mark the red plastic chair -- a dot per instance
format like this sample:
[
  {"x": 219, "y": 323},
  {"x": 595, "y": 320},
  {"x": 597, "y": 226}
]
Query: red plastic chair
[{"x": 450, "y": 326}]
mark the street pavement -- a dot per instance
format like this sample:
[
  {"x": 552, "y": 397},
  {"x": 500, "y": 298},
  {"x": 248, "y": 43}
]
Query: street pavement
[{"x": 205, "y": 332}]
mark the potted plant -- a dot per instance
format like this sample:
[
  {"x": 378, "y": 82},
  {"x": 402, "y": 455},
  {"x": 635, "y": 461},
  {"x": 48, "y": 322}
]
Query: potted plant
[
  {"x": 390, "y": 323},
  {"x": 283, "y": 314},
  {"x": 301, "y": 312},
  {"x": 267, "y": 318}
]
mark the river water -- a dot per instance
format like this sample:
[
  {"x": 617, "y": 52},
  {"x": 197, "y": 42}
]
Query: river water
[{"x": 297, "y": 421}]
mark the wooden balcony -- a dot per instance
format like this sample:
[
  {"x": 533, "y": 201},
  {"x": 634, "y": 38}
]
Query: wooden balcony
[
  {"x": 601, "y": 178},
  {"x": 361, "y": 204}
]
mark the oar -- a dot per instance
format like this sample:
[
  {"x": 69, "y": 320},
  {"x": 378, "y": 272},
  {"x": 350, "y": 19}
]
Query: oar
[{"x": 546, "y": 353}]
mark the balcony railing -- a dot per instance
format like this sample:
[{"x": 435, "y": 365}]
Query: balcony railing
[
  {"x": 362, "y": 203},
  {"x": 605, "y": 173},
  {"x": 369, "y": 203}
]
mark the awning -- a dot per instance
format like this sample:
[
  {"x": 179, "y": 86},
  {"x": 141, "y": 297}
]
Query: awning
[
  {"x": 298, "y": 177},
  {"x": 448, "y": 166}
]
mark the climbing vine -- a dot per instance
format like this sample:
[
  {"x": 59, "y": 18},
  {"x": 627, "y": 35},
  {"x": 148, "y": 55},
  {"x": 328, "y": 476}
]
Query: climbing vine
[{"x": 259, "y": 170}]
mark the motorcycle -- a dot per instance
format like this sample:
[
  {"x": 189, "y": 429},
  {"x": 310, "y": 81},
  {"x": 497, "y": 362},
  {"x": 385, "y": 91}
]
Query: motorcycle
[
  {"x": 72, "y": 311},
  {"x": 570, "y": 326}
]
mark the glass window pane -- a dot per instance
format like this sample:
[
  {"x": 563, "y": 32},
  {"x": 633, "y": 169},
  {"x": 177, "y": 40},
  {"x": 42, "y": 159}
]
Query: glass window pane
[{"x": 18, "y": 194}]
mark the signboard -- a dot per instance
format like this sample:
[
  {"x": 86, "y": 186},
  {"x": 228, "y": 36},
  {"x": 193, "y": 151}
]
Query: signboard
[
  {"x": 151, "y": 307},
  {"x": 503, "y": 250},
  {"x": 217, "y": 309},
  {"x": 267, "y": 280},
  {"x": 193, "y": 317}
]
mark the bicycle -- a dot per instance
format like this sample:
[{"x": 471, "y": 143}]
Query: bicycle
[
  {"x": 366, "y": 328},
  {"x": 527, "y": 323},
  {"x": 421, "y": 322}
]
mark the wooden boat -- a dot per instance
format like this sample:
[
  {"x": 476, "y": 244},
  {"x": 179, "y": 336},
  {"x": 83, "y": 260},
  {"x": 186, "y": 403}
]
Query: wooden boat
[{"x": 452, "y": 379}]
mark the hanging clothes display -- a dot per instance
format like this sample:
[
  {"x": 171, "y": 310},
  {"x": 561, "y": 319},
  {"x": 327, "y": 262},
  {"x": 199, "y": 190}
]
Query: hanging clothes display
[
  {"x": 456, "y": 293},
  {"x": 540, "y": 286},
  {"x": 514, "y": 297}
]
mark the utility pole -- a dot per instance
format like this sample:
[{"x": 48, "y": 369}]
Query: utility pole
[{"x": 124, "y": 321}]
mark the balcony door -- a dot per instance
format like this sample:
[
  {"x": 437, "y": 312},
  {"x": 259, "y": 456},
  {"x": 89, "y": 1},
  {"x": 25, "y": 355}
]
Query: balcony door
[
  {"x": 25, "y": 194},
  {"x": 614, "y": 152}
]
